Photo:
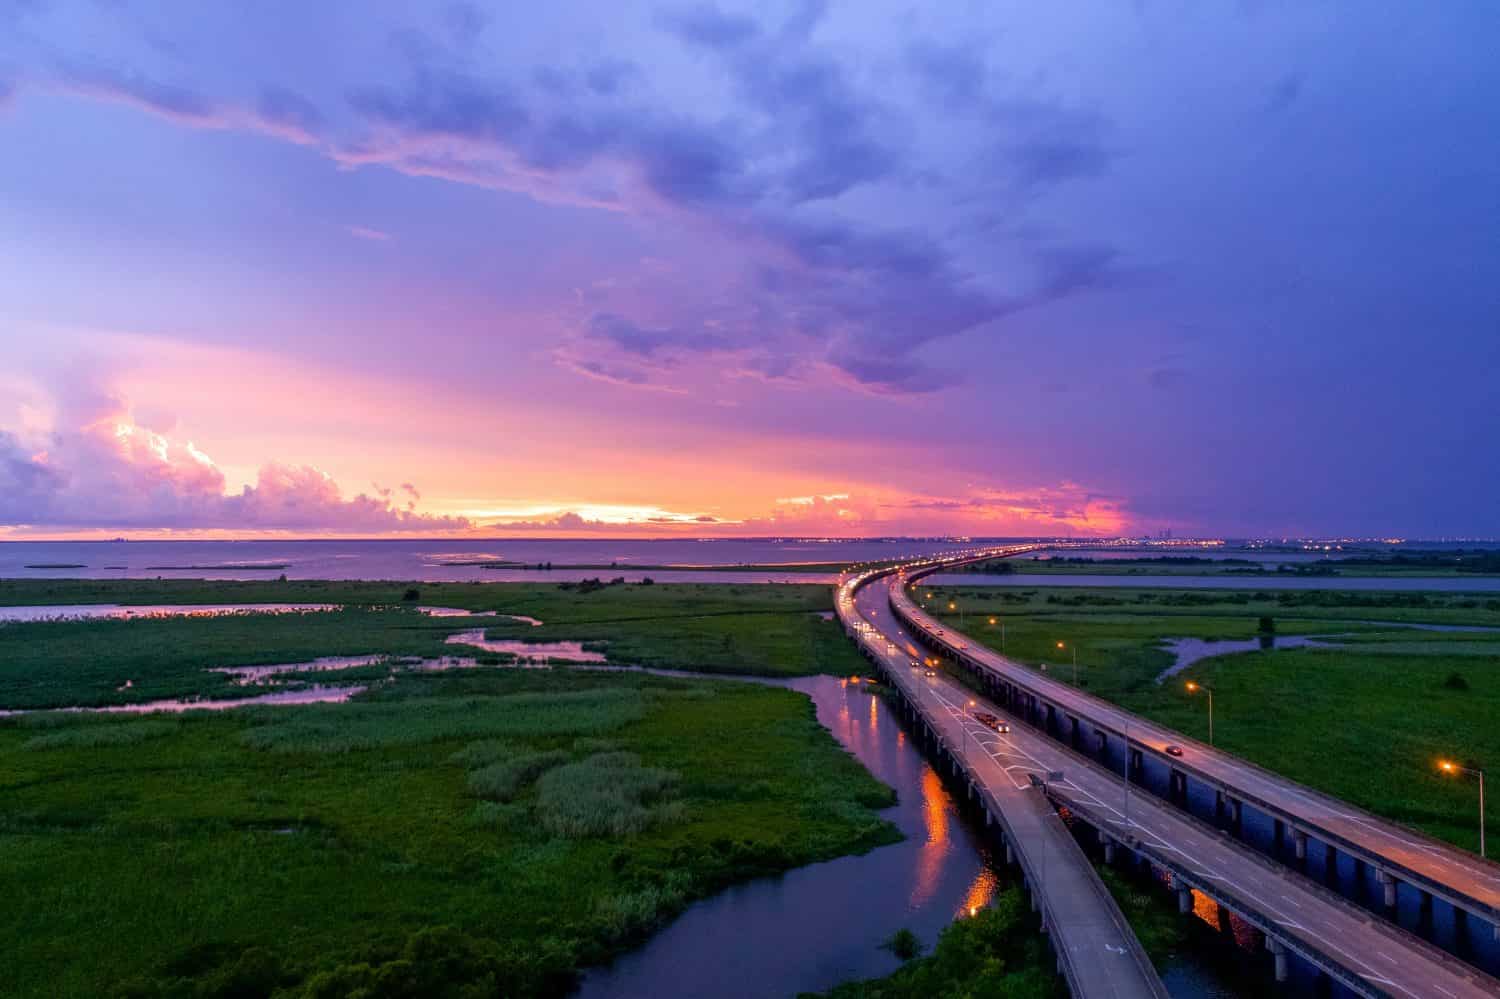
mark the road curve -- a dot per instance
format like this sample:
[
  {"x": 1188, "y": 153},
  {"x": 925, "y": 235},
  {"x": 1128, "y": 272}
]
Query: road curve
[
  {"x": 1370, "y": 955},
  {"x": 1097, "y": 952},
  {"x": 1457, "y": 876}
]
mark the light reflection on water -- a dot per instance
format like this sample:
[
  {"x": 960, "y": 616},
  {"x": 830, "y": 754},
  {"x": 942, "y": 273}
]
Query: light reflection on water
[
  {"x": 824, "y": 923},
  {"x": 530, "y": 650}
]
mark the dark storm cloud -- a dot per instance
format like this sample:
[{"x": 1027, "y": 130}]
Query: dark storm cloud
[{"x": 805, "y": 131}]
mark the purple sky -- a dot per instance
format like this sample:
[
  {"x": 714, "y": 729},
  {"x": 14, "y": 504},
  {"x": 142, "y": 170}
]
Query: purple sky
[{"x": 762, "y": 268}]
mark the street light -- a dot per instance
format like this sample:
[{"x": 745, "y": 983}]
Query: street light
[
  {"x": 1454, "y": 769},
  {"x": 1060, "y": 645},
  {"x": 1193, "y": 688}
]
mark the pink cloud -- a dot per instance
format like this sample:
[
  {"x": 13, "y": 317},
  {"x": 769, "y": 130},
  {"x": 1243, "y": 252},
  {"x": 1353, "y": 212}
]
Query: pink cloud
[{"x": 100, "y": 468}]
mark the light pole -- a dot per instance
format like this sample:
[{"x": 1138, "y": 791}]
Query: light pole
[
  {"x": 1449, "y": 767},
  {"x": 1061, "y": 645},
  {"x": 966, "y": 726},
  {"x": 953, "y": 606},
  {"x": 1193, "y": 688}
]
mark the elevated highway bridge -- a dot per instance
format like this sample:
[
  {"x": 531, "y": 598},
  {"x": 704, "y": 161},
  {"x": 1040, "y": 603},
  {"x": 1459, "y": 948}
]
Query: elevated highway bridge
[{"x": 1058, "y": 730}]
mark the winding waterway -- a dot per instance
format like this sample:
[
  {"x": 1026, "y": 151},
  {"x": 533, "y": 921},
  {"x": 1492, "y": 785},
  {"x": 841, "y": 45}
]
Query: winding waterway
[{"x": 817, "y": 926}]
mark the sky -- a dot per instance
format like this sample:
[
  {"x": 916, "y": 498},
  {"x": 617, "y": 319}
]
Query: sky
[{"x": 787, "y": 267}]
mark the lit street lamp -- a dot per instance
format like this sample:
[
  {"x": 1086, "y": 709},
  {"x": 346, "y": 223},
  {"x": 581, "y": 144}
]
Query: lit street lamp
[
  {"x": 1455, "y": 769},
  {"x": 1193, "y": 688},
  {"x": 1060, "y": 645}
]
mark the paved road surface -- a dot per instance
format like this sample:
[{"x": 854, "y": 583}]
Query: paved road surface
[
  {"x": 1376, "y": 957},
  {"x": 1097, "y": 951},
  {"x": 1455, "y": 875}
]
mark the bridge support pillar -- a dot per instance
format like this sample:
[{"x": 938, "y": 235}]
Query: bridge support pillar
[
  {"x": 1236, "y": 815},
  {"x": 1278, "y": 838},
  {"x": 1101, "y": 743},
  {"x": 1278, "y": 951},
  {"x": 1010, "y": 855},
  {"x": 1135, "y": 762},
  {"x": 1177, "y": 787},
  {"x": 1388, "y": 882},
  {"x": 1184, "y": 900},
  {"x": 1109, "y": 853},
  {"x": 1299, "y": 843}
]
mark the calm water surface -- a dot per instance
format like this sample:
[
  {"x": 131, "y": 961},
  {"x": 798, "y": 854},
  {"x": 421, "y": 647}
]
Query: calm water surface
[
  {"x": 817, "y": 926},
  {"x": 450, "y": 561},
  {"x": 823, "y": 924}
]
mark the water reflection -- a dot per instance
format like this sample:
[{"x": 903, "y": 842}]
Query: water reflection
[
  {"x": 935, "y": 808},
  {"x": 849, "y": 906},
  {"x": 1191, "y": 650},
  {"x": 981, "y": 892},
  {"x": 573, "y": 651}
]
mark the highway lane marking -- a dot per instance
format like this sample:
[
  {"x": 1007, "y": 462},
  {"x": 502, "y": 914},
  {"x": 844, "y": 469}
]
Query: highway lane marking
[
  {"x": 959, "y": 718},
  {"x": 1317, "y": 806}
]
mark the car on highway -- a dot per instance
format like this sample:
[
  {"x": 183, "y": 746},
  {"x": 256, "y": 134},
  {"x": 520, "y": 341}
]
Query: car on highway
[
  {"x": 931, "y": 672},
  {"x": 990, "y": 721},
  {"x": 1173, "y": 749},
  {"x": 915, "y": 664}
]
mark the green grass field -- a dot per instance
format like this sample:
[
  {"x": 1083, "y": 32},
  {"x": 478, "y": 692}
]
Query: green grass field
[
  {"x": 1365, "y": 721},
  {"x": 491, "y": 830}
]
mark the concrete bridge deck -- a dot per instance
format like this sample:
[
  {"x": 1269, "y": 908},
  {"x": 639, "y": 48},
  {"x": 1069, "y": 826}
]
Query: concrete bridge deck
[
  {"x": 1368, "y": 955},
  {"x": 1404, "y": 859},
  {"x": 1096, "y": 950}
]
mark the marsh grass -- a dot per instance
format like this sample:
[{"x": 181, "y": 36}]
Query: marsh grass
[
  {"x": 97, "y": 736},
  {"x": 223, "y": 868},
  {"x": 609, "y": 794},
  {"x": 767, "y": 629},
  {"x": 503, "y": 780},
  {"x": 339, "y": 728}
]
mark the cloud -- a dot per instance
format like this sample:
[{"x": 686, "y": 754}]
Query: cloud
[
  {"x": 276, "y": 112},
  {"x": 649, "y": 342},
  {"x": 100, "y": 468},
  {"x": 704, "y": 24},
  {"x": 821, "y": 286}
]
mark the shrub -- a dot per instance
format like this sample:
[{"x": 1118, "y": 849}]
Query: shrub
[
  {"x": 1456, "y": 681},
  {"x": 904, "y": 944}
]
